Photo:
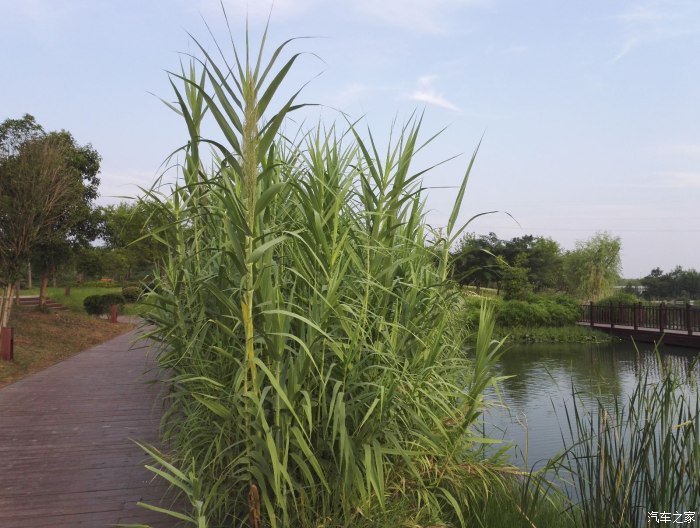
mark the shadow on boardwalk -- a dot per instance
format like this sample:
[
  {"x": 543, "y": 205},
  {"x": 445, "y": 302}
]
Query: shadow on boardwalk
[{"x": 67, "y": 456}]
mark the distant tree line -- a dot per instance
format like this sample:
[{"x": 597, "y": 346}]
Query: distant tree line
[
  {"x": 130, "y": 246},
  {"x": 529, "y": 264},
  {"x": 678, "y": 283}
]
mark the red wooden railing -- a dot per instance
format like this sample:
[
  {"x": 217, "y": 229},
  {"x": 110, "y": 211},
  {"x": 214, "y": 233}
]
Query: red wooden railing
[{"x": 659, "y": 317}]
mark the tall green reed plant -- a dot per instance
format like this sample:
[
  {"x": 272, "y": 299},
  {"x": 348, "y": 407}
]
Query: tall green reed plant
[
  {"x": 636, "y": 457},
  {"x": 318, "y": 374}
]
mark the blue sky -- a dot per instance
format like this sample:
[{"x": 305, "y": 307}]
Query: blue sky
[{"x": 589, "y": 110}]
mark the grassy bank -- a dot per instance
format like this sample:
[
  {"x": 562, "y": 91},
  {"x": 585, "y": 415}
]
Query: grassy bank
[
  {"x": 74, "y": 301},
  {"x": 537, "y": 319},
  {"x": 42, "y": 339},
  {"x": 560, "y": 334}
]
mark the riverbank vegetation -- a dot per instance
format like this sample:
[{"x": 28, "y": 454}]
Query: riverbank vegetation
[
  {"x": 637, "y": 460},
  {"x": 321, "y": 369},
  {"x": 536, "y": 319}
]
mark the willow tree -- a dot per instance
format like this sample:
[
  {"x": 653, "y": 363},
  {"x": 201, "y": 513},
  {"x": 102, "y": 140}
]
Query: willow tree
[{"x": 593, "y": 269}]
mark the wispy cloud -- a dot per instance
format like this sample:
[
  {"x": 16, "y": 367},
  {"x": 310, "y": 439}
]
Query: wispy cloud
[
  {"x": 46, "y": 17},
  {"x": 662, "y": 180},
  {"x": 348, "y": 95},
  {"x": 691, "y": 150},
  {"x": 425, "y": 16},
  {"x": 681, "y": 180},
  {"x": 116, "y": 185},
  {"x": 257, "y": 9},
  {"x": 627, "y": 47},
  {"x": 656, "y": 20},
  {"x": 515, "y": 50},
  {"x": 426, "y": 93}
]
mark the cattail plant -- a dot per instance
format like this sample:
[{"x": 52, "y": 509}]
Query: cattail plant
[{"x": 318, "y": 373}]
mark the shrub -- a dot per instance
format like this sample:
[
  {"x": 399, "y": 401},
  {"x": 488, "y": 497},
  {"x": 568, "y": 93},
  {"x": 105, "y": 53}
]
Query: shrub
[
  {"x": 100, "y": 304},
  {"x": 99, "y": 284},
  {"x": 131, "y": 294},
  {"x": 538, "y": 311},
  {"x": 620, "y": 298}
]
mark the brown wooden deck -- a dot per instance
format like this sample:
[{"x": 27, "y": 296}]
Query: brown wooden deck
[
  {"x": 67, "y": 456},
  {"x": 649, "y": 335}
]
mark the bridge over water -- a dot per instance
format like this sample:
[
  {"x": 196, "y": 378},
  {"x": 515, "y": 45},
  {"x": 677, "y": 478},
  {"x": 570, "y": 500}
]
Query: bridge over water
[{"x": 677, "y": 325}]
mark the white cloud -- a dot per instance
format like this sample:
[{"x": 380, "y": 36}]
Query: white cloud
[
  {"x": 426, "y": 93},
  {"x": 425, "y": 16},
  {"x": 656, "y": 20},
  {"x": 627, "y": 47}
]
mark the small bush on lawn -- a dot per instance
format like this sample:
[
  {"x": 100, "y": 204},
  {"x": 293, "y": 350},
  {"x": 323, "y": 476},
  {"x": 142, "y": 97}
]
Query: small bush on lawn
[
  {"x": 131, "y": 294},
  {"x": 100, "y": 304}
]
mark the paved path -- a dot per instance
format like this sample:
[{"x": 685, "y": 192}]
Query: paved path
[{"x": 67, "y": 456}]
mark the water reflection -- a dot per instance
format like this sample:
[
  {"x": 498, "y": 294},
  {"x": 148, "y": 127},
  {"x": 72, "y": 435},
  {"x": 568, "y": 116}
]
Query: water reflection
[{"x": 543, "y": 379}]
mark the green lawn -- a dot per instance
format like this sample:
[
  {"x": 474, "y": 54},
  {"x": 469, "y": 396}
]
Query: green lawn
[{"x": 78, "y": 293}]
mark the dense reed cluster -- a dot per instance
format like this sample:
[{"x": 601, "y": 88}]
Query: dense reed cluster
[{"x": 313, "y": 340}]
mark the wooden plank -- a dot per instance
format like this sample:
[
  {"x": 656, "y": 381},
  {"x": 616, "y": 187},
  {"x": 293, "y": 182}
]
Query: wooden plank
[{"x": 67, "y": 451}]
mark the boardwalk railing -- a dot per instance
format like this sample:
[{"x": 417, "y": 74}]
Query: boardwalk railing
[{"x": 659, "y": 317}]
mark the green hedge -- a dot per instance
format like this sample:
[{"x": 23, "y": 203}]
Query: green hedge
[
  {"x": 100, "y": 304},
  {"x": 535, "y": 312},
  {"x": 131, "y": 294}
]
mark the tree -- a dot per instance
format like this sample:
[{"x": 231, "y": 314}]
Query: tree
[
  {"x": 514, "y": 279},
  {"x": 125, "y": 227},
  {"x": 545, "y": 264},
  {"x": 540, "y": 259},
  {"x": 475, "y": 260},
  {"x": 16, "y": 132},
  {"x": 40, "y": 183},
  {"x": 676, "y": 284},
  {"x": 78, "y": 222},
  {"x": 593, "y": 268}
]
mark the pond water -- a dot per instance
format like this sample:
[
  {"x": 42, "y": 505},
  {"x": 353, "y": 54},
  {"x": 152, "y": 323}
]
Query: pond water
[{"x": 544, "y": 379}]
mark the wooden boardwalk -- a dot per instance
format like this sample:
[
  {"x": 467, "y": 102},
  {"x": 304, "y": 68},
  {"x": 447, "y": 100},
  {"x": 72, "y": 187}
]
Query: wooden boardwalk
[
  {"x": 679, "y": 338},
  {"x": 67, "y": 456}
]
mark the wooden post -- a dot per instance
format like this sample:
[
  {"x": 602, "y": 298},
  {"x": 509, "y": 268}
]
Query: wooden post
[
  {"x": 66, "y": 291},
  {"x": 612, "y": 315},
  {"x": 113, "y": 314},
  {"x": 7, "y": 343},
  {"x": 662, "y": 316},
  {"x": 635, "y": 315},
  {"x": 688, "y": 319},
  {"x": 591, "y": 313}
]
